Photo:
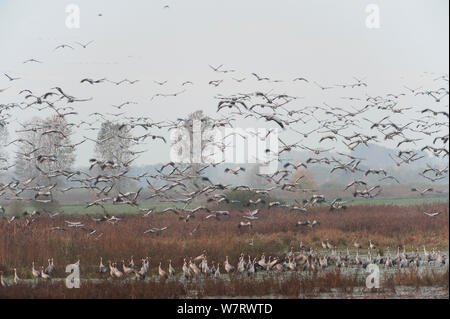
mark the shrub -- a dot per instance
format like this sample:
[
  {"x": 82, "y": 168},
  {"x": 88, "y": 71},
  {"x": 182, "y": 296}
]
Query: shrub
[
  {"x": 51, "y": 207},
  {"x": 16, "y": 207}
]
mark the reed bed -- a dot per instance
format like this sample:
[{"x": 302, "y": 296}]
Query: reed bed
[
  {"x": 293, "y": 285},
  {"x": 274, "y": 233}
]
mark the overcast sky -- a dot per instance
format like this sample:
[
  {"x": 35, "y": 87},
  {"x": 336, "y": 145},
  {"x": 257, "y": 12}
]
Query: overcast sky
[{"x": 323, "y": 40}]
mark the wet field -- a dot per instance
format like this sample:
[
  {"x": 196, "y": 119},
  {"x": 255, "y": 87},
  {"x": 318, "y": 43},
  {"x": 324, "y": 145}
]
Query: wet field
[{"x": 330, "y": 282}]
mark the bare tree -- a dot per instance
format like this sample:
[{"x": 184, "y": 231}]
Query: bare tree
[
  {"x": 196, "y": 125},
  {"x": 44, "y": 151},
  {"x": 3, "y": 154},
  {"x": 114, "y": 144},
  {"x": 306, "y": 181},
  {"x": 3, "y": 140}
]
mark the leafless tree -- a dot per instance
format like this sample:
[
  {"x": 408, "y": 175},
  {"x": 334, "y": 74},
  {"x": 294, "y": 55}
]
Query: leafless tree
[
  {"x": 3, "y": 140},
  {"x": 114, "y": 144},
  {"x": 44, "y": 150},
  {"x": 196, "y": 121}
]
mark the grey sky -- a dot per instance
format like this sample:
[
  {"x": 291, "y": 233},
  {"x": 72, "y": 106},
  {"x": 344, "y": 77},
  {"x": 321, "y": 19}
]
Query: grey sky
[{"x": 326, "y": 41}]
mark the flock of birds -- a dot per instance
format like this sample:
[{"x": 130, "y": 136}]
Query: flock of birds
[
  {"x": 39, "y": 171},
  {"x": 304, "y": 259}
]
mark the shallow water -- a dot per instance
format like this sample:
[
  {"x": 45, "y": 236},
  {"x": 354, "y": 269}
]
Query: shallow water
[
  {"x": 401, "y": 292},
  {"x": 352, "y": 269}
]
